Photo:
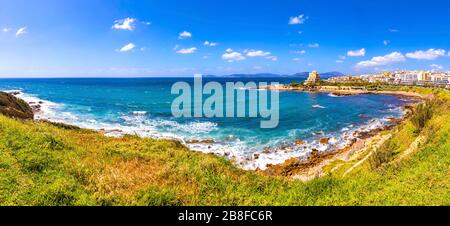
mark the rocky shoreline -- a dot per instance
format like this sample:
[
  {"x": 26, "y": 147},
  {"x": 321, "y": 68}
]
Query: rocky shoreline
[
  {"x": 35, "y": 106},
  {"x": 347, "y": 91},
  {"x": 12, "y": 106},
  {"x": 299, "y": 166},
  {"x": 296, "y": 167},
  {"x": 312, "y": 166}
]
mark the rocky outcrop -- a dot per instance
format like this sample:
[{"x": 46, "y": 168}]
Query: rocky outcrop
[
  {"x": 200, "y": 141},
  {"x": 14, "y": 107},
  {"x": 299, "y": 142},
  {"x": 324, "y": 141},
  {"x": 342, "y": 94}
]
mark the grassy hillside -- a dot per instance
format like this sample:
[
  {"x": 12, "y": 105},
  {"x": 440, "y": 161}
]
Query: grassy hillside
[{"x": 53, "y": 164}]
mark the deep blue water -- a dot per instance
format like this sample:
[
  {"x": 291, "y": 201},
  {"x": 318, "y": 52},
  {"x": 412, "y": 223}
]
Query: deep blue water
[{"x": 143, "y": 106}]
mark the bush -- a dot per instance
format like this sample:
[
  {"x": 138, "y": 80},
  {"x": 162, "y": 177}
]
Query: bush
[
  {"x": 422, "y": 114},
  {"x": 296, "y": 84},
  {"x": 64, "y": 126},
  {"x": 51, "y": 143},
  {"x": 383, "y": 155}
]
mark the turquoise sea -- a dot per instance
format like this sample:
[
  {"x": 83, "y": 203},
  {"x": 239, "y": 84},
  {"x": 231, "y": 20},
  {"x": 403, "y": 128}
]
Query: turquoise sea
[{"x": 142, "y": 106}]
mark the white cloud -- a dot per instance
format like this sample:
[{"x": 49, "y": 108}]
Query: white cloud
[
  {"x": 436, "y": 67},
  {"x": 6, "y": 29},
  {"x": 21, "y": 31},
  {"x": 299, "y": 52},
  {"x": 185, "y": 35},
  {"x": 300, "y": 32},
  {"x": 260, "y": 53},
  {"x": 393, "y": 30},
  {"x": 296, "y": 45},
  {"x": 382, "y": 60},
  {"x": 314, "y": 45},
  {"x": 386, "y": 42},
  {"x": 448, "y": 53},
  {"x": 430, "y": 54},
  {"x": 231, "y": 56},
  {"x": 341, "y": 59},
  {"x": 273, "y": 58},
  {"x": 128, "y": 47},
  {"x": 125, "y": 24},
  {"x": 300, "y": 19},
  {"x": 357, "y": 53},
  {"x": 296, "y": 59},
  {"x": 257, "y": 53},
  {"x": 210, "y": 44},
  {"x": 187, "y": 51}
]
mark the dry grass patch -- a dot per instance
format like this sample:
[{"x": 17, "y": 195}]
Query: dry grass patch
[{"x": 123, "y": 179}]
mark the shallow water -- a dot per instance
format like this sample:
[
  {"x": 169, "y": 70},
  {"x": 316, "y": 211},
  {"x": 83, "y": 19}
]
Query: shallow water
[{"x": 142, "y": 106}]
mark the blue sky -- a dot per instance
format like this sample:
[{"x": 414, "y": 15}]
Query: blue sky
[{"x": 79, "y": 38}]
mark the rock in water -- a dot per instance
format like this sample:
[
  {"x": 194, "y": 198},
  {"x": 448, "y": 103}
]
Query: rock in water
[
  {"x": 200, "y": 141},
  {"x": 299, "y": 142},
  {"x": 324, "y": 141},
  {"x": 14, "y": 107}
]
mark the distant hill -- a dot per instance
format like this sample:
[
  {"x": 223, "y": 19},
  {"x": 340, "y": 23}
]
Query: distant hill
[
  {"x": 303, "y": 75},
  {"x": 260, "y": 75}
]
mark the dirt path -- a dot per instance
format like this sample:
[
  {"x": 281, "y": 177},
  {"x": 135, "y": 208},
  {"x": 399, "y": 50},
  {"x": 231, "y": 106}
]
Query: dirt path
[
  {"x": 354, "y": 152},
  {"x": 422, "y": 139},
  {"x": 374, "y": 148},
  {"x": 413, "y": 147}
]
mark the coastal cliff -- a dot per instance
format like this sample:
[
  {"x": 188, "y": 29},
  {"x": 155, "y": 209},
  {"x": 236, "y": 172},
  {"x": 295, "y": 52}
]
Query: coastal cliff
[{"x": 14, "y": 107}]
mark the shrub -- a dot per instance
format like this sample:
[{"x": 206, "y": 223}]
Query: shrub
[
  {"x": 51, "y": 143},
  {"x": 383, "y": 155},
  {"x": 295, "y": 84},
  {"x": 422, "y": 114},
  {"x": 64, "y": 126}
]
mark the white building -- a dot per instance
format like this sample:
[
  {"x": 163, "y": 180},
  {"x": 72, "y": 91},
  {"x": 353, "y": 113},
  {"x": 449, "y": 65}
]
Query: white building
[
  {"x": 439, "y": 78},
  {"x": 423, "y": 76},
  {"x": 407, "y": 77}
]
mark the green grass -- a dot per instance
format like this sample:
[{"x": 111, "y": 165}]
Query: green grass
[{"x": 52, "y": 164}]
